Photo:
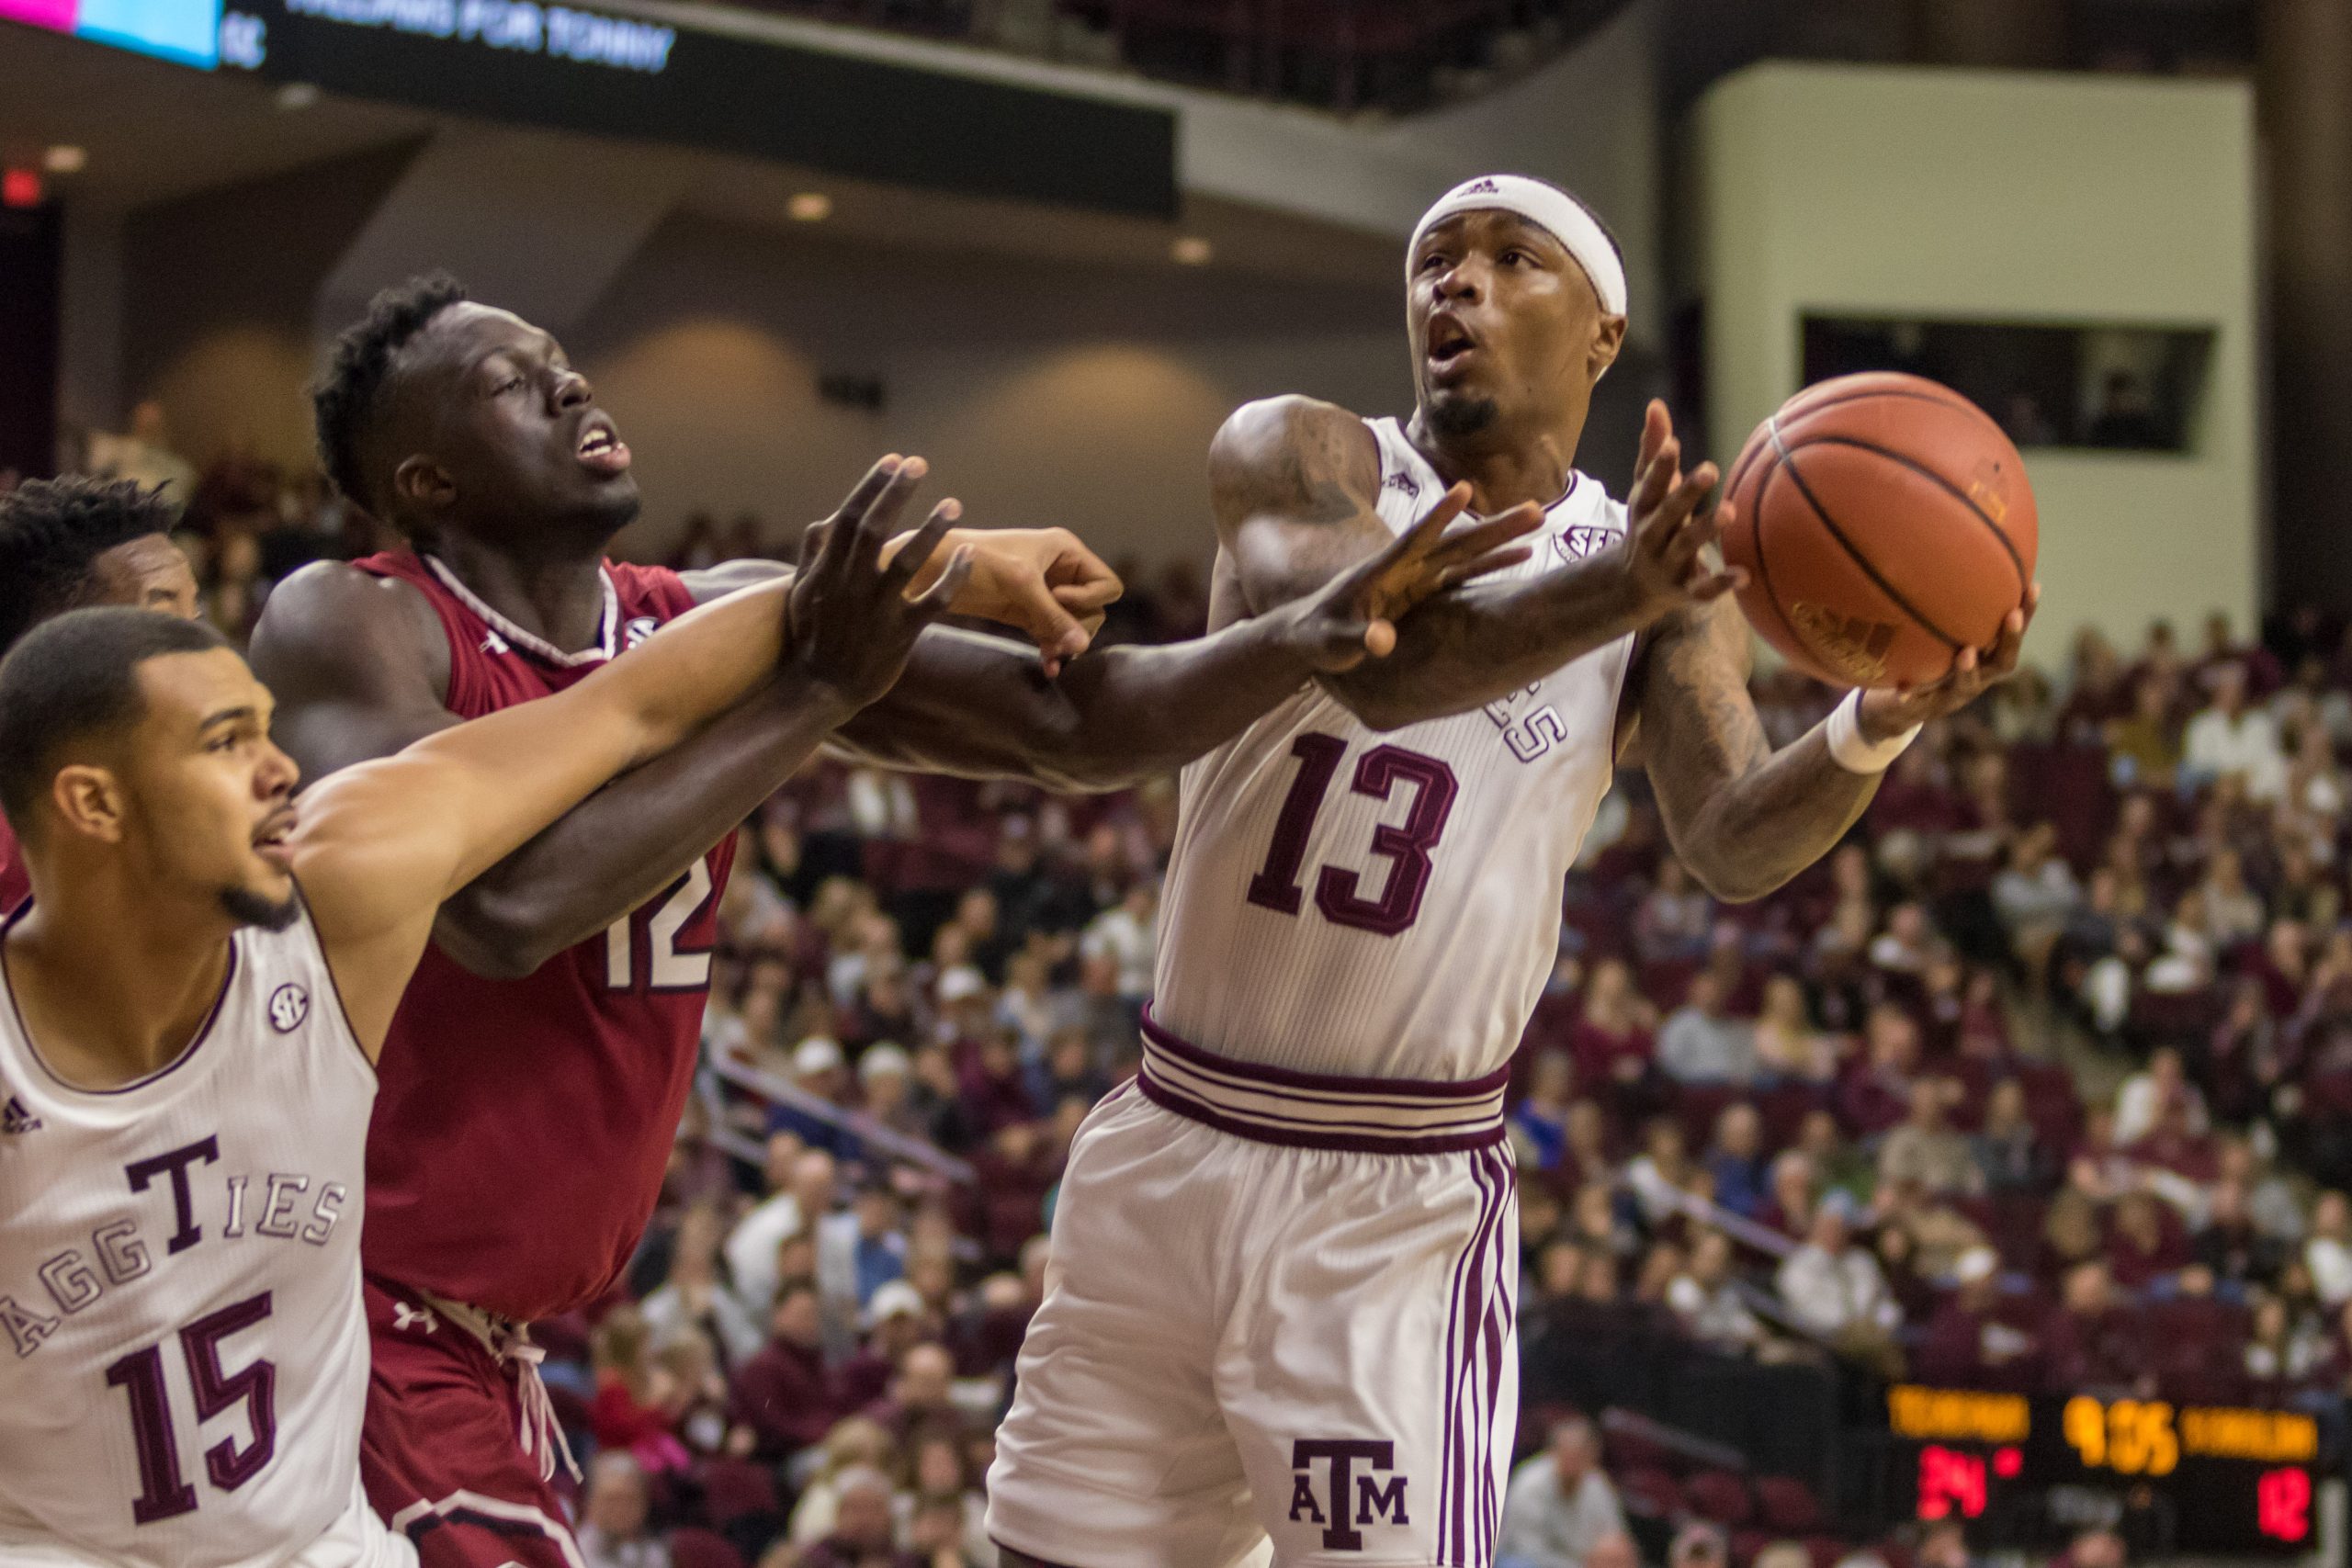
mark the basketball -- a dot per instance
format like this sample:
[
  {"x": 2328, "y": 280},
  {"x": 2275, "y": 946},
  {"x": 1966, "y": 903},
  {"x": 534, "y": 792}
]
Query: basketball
[{"x": 1885, "y": 522}]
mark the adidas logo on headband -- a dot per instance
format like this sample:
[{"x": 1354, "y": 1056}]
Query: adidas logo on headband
[{"x": 1549, "y": 208}]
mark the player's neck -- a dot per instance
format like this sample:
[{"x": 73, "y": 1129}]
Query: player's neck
[
  {"x": 113, "y": 986},
  {"x": 557, "y": 595},
  {"x": 1504, "y": 466}
]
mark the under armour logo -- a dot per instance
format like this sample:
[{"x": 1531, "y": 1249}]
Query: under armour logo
[
  {"x": 405, "y": 1317},
  {"x": 637, "y": 630},
  {"x": 1370, "y": 1502},
  {"x": 15, "y": 1119},
  {"x": 492, "y": 643},
  {"x": 289, "y": 1006}
]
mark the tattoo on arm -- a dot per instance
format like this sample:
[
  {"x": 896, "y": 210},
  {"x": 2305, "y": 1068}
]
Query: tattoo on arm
[{"x": 1743, "y": 818}]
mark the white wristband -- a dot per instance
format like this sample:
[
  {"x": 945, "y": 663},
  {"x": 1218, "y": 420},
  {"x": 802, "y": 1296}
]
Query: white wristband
[{"x": 1852, "y": 752}]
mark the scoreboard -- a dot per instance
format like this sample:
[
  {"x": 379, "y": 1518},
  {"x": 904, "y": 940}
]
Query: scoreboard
[
  {"x": 2239, "y": 1481},
  {"x": 185, "y": 31}
]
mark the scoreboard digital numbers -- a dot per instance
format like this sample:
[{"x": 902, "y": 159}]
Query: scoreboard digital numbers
[{"x": 2240, "y": 1481}]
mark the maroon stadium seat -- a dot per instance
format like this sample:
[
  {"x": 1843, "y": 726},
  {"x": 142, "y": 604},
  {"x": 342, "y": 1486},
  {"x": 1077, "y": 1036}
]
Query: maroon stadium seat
[
  {"x": 1720, "y": 1495},
  {"x": 1788, "y": 1505},
  {"x": 1650, "y": 1491},
  {"x": 693, "y": 1548}
]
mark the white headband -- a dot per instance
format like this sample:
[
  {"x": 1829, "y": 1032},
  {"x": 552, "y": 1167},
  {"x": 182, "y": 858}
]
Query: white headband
[{"x": 1549, "y": 208}]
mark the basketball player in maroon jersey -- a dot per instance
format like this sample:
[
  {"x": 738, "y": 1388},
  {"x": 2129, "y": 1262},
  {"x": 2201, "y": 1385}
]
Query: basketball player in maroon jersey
[
  {"x": 540, "y": 1063},
  {"x": 72, "y": 544}
]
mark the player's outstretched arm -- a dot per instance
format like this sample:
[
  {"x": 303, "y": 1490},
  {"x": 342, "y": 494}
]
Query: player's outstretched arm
[
  {"x": 360, "y": 665},
  {"x": 1743, "y": 818},
  {"x": 1296, "y": 487},
  {"x": 983, "y": 706},
  {"x": 380, "y": 846}
]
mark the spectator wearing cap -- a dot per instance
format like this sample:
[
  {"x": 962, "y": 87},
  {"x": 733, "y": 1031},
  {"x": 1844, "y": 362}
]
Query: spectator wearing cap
[
  {"x": 783, "y": 1394},
  {"x": 896, "y": 1321},
  {"x": 1924, "y": 1150},
  {"x": 612, "y": 1518},
  {"x": 1560, "y": 1505},
  {"x": 820, "y": 1072},
  {"x": 886, "y": 1091},
  {"x": 1700, "y": 1043},
  {"x": 864, "y": 1533},
  {"x": 1968, "y": 1344}
]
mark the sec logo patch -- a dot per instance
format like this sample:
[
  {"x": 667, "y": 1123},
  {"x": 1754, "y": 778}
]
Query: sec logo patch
[{"x": 289, "y": 1006}]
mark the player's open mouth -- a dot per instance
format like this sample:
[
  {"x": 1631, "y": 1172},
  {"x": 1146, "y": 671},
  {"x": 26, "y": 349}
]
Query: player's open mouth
[
  {"x": 274, "y": 840},
  {"x": 601, "y": 449},
  {"x": 1448, "y": 340}
]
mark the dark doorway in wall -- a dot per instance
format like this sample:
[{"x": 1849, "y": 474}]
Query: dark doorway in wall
[{"x": 31, "y": 255}]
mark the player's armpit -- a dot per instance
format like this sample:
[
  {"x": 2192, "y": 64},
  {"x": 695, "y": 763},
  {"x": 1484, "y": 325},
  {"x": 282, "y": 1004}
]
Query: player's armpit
[{"x": 357, "y": 663}]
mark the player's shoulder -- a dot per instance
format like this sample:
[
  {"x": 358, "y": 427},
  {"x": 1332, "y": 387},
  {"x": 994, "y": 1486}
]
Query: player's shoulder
[
  {"x": 1283, "y": 443},
  {"x": 339, "y": 610}
]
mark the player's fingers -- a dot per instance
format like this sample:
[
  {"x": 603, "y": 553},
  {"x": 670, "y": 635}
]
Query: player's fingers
[
  {"x": 915, "y": 554},
  {"x": 1432, "y": 525},
  {"x": 860, "y": 501},
  {"x": 934, "y": 601},
  {"x": 1721, "y": 583},
  {"x": 1656, "y": 481},
  {"x": 1494, "y": 561},
  {"x": 1089, "y": 597},
  {"x": 1380, "y": 638},
  {"x": 2003, "y": 659},
  {"x": 881, "y": 520},
  {"x": 1657, "y": 427},
  {"x": 1669, "y": 526},
  {"x": 812, "y": 545},
  {"x": 1487, "y": 535}
]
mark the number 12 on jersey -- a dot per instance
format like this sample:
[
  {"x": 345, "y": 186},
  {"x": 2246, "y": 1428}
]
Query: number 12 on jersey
[
  {"x": 1407, "y": 845},
  {"x": 670, "y": 967}
]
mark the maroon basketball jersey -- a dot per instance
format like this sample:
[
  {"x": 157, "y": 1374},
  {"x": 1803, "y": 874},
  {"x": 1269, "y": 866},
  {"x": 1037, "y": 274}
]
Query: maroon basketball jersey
[
  {"x": 522, "y": 1126},
  {"x": 16, "y": 887}
]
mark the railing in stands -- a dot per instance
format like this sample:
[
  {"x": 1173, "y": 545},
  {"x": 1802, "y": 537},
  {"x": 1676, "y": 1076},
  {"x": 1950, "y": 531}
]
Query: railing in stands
[
  {"x": 1746, "y": 1231},
  {"x": 868, "y": 1131}
]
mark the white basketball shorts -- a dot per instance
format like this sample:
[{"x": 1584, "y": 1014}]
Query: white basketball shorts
[{"x": 1279, "y": 1305}]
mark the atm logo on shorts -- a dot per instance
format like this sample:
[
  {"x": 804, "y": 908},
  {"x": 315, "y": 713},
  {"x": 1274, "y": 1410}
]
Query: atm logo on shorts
[{"x": 1349, "y": 1502}]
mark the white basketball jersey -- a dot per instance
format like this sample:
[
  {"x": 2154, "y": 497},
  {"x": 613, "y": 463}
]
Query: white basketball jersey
[
  {"x": 1345, "y": 901},
  {"x": 183, "y": 1355}
]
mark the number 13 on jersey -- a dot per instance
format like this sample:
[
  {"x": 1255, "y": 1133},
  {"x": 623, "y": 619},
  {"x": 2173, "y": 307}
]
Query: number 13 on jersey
[{"x": 1407, "y": 845}]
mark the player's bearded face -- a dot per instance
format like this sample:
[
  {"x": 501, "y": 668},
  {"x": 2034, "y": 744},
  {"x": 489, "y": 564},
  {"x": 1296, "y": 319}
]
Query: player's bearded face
[
  {"x": 1506, "y": 329},
  {"x": 208, "y": 796}
]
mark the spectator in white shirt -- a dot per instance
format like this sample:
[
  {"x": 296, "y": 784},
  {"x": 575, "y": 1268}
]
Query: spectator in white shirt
[
  {"x": 1836, "y": 1292},
  {"x": 2231, "y": 738},
  {"x": 1707, "y": 1301},
  {"x": 801, "y": 1189},
  {"x": 1560, "y": 1506},
  {"x": 1123, "y": 934},
  {"x": 2328, "y": 1253},
  {"x": 2145, "y": 1093},
  {"x": 1699, "y": 1044}
]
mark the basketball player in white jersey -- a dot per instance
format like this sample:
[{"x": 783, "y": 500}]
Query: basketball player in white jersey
[
  {"x": 1284, "y": 1259},
  {"x": 194, "y": 998}
]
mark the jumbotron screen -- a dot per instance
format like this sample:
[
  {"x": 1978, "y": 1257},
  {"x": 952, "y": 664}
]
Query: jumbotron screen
[{"x": 185, "y": 31}]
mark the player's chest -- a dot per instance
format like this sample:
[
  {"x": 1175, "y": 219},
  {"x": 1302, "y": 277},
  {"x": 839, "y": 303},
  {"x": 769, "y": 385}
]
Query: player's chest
[{"x": 105, "y": 1227}]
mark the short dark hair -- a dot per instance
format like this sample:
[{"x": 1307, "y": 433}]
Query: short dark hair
[
  {"x": 76, "y": 675},
  {"x": 344, "y": 399},
  {"x": 53, "y": 531}
]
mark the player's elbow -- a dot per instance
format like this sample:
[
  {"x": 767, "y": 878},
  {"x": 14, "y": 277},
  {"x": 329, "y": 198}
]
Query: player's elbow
[
  {"x": 1730, "y": 879},
  {"x": 496, "y": 935}
]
